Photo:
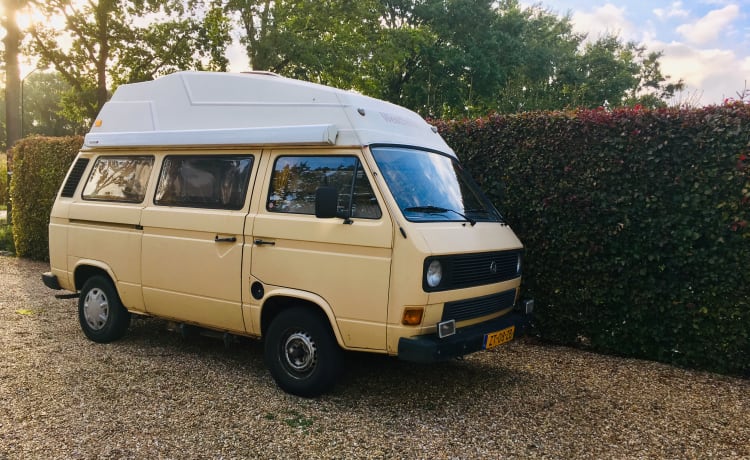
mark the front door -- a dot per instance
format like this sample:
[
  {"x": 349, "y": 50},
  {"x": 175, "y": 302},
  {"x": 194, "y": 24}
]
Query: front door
[
  {"x": 344, "y": 261},
  {"x": 193, "y": 237}
]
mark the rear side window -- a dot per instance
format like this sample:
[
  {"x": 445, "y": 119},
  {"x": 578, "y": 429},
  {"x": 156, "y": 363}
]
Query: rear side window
[
  {"x": 295, "y": 180},
  {"x": 209, "y": 181},
  {"x": 122, "y": 179}
]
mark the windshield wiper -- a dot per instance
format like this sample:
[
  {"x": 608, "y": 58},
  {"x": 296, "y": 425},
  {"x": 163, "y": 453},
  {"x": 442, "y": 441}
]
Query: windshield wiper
[{"x": 439, "y": 210}]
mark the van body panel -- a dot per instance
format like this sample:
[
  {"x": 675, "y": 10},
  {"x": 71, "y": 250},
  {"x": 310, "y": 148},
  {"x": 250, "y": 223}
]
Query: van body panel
[
  {"x": 347, "y": 265},
  {"x": 58, "y": 244},
  {"x": 319, "y": 256},
  {"x": 105, "y": 213},
  {"x": 191, "y": 265},
  {"x": 254, "y": 309},
  {"x": 205, "y": 101},
  {"x": 112, "y": 248},
  {"x": 460, "y": 237}
]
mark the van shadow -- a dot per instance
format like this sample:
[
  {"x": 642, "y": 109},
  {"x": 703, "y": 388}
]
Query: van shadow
[
  {"x": 426, "y": 386},
  {"x": 370, "y": 381}
]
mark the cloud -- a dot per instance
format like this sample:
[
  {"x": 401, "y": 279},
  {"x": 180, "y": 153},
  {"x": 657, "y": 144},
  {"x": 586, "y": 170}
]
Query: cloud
[
  {"x": 710, "y": 75},
  {"x": 604, "y": 20},
  {"x": 675, "y": 10},
  {"x": 708, "y": 28}
]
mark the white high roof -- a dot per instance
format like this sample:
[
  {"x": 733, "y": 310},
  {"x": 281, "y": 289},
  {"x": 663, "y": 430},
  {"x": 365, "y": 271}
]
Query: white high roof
[{"x": 205, "y": 108}]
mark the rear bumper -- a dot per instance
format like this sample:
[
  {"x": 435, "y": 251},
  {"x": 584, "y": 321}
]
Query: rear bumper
[
  {"x": 431, "y": 348},
  {"x": 51, "y": 281}
]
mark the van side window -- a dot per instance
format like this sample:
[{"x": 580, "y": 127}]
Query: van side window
[
  {"x": 122, "y": 179},
  {"x": 295, "y": 180},
  {"x": 209, "y": 181}
]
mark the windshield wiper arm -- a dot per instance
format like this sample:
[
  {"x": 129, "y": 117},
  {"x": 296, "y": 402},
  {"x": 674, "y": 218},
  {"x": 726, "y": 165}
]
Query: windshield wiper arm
[{"x": 439, "y": 210}]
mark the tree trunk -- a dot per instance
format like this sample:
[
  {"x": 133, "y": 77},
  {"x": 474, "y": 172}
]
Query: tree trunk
[{"x": 12, "y": 43}]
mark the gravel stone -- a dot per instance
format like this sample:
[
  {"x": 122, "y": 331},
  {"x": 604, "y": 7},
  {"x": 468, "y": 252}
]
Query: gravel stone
[{"x": 155, "y": 395}]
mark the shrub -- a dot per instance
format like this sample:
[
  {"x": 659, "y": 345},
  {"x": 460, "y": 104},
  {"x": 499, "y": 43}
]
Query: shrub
[
  {"x": 3, "y": 181},
  {"x": 635, "y": 225},
  {"x": 39, "y": 167},
  {"x": 6, "y": 239}
]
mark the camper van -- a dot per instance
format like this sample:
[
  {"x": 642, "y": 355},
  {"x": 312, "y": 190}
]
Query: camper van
[{"x": 318, "y": 220}]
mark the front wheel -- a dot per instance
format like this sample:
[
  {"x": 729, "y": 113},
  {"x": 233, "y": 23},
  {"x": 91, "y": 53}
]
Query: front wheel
[
  {"x": 301, "y": 352},
  {"x": 100, "y": 312}
]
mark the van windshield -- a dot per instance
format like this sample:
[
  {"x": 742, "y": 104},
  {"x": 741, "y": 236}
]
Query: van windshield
[{"x": 430, "y": 187}]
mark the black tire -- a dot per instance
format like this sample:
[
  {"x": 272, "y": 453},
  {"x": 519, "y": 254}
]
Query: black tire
[
  {"x": 301, "y": 352},
  {"x": 100, "y": 311}
]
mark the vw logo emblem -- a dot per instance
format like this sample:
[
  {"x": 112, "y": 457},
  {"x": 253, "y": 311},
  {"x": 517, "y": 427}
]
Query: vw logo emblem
[{"x": 493, "y": 267}]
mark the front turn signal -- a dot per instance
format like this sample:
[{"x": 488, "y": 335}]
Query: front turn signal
[{"x": 412, "y": 316}]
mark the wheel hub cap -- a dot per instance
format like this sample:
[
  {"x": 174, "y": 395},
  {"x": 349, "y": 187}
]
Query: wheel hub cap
[
  {"x": 300, "y": 352},
  {"x": 96, "y": 309}
]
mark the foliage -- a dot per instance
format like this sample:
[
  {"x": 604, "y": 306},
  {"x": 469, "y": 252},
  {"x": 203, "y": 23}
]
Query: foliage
[
  {"x": 39, "y": 167},
  {"x": 3, "y": 180},
  {"x": 441, "y": 58},
  {"x": 108, "y": 43},
  {"x": 6, "y": 239},
  {"x": 635, "y": 224},
  {"x": 42, "y": 106},
  {"x": 321, "y": 41},
  {"x": 448, "y": 58}
]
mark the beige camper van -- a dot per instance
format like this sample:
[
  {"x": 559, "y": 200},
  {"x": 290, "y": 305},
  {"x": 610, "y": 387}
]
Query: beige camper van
[{"x": 316, "y": 219}]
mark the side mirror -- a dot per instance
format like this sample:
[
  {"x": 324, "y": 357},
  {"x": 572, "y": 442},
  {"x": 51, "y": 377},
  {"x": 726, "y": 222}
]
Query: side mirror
[{"x": 326, "y": 202}]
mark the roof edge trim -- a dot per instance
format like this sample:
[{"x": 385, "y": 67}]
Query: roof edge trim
[{"x": 275, "y": 135}]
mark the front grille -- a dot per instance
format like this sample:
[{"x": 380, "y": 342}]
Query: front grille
[
  {"x": 474, "y": 308},
  {"x": 469, "y": 270}
]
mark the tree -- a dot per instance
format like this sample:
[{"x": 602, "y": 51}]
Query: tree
[
  {"x": 654, "y": 88},
  {"x": 12, "y": 42},
  {"x": 42, "y": 106},
  {"x": 322, "y": 41},
  {"x": 464, "y": 57},
  {"x": 109, "y": 45}
]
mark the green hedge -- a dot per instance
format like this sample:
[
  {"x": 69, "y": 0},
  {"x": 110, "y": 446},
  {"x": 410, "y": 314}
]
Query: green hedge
[
  {"x": 39, "y": 167},
  {"x": 3, "y": 180},
  {"x": 635, "y": 225}
]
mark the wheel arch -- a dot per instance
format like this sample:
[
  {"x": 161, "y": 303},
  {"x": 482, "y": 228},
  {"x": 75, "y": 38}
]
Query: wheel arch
[
  {"x": 278, "y": 301},
  {"x": 85, "y": 269}
]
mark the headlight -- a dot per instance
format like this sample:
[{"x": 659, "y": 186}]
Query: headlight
[{"x": 434, "y": 273}]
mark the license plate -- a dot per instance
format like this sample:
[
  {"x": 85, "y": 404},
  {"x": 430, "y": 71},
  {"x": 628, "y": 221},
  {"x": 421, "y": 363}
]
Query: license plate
[{"x": 493, "y": 339}]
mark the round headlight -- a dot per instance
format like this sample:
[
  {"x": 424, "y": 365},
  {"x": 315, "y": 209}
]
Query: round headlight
[{"x": 434, "y": 273}]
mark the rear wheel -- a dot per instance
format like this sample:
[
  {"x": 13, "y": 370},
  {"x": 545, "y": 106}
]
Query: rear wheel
[
  {"x": 100, "y": 312},
  {"x": 302, "y": 353}
]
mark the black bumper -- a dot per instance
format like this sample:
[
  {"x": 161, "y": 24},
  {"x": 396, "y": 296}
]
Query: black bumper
[
  {"x": 431, "y": 348},
  {"x": 50, "y": 281}
]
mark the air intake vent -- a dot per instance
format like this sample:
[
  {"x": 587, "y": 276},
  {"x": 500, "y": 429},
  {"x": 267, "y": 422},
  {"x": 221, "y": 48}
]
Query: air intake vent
[
  {"x": 74, "y": 178},
  {"x": 480, "y": 306}
]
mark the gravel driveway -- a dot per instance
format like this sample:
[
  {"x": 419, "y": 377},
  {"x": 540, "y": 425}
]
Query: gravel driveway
[{"x": 155, "y": 395}]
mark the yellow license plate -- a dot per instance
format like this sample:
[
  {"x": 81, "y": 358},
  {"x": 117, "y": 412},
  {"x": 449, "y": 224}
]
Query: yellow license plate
[{"x": 493, "y": 339}]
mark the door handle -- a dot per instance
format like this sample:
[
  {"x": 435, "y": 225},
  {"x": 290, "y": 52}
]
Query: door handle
[
  {"x": 228, "y": 239},
  {"x": 260, "y": 242}
]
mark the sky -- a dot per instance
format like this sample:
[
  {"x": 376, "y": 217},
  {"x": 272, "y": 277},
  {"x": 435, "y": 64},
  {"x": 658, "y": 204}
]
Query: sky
[{"x": 706, "y": 43}]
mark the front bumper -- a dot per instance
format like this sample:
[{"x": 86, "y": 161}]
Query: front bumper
[
  {"x": 431, "y": 348},
  {"x": 51, "y": 281}
]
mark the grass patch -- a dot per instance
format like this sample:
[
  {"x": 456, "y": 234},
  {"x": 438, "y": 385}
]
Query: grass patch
[{"x": 297, "y": 420}]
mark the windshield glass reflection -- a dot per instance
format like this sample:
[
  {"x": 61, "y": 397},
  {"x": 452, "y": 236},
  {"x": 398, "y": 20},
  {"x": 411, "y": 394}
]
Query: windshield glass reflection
[{"x": 432, "y": 187}]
